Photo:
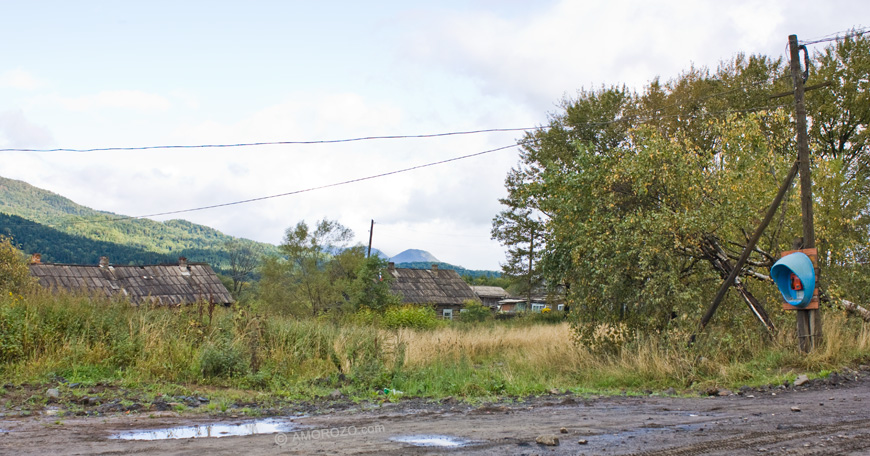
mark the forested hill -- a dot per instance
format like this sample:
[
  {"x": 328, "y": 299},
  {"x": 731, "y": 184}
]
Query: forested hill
[
  {"x": 462, "y": 271},
  {"x": 60, "y": 215},
  {"x": 59, "y": 247}
]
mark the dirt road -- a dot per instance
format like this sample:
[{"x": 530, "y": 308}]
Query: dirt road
[{"x": 823, "y": 417}]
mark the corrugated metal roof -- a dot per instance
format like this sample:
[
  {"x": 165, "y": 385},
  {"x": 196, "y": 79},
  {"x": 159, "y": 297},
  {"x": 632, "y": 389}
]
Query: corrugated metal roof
[{"x": 163, "y": 284}]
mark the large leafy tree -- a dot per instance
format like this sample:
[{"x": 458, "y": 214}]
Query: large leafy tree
[
  {"x": 371, "y": 288},
  {"x": 647, "y": 198},
  {"x": 244, "y": 258},
  {"x": 316, "y": 272},
  {"x": 840, "y": 114}
]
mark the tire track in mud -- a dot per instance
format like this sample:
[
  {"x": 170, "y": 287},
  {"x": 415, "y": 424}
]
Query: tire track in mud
[{"x": 759, "y": 440}]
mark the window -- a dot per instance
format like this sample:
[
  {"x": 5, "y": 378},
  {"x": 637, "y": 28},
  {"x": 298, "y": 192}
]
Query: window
[{"x": 447, "y": 314}]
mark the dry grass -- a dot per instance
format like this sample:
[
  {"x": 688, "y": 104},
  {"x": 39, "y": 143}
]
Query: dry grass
[
  {"x": 535, "y": 345},
  {"x": 72, "y": 336}
]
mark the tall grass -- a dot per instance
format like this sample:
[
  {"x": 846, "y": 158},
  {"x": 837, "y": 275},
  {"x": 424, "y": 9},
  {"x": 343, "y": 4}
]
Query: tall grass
[{"x": 91, "y": 339}]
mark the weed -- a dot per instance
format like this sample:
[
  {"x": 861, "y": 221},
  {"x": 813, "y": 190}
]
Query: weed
[{"x": 241, "y": 357}]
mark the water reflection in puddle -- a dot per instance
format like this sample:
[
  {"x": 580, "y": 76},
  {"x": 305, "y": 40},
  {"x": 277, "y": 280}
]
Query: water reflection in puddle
[
  {"x": 442, "y": 441},
  {"x": 267, "y": 426}
]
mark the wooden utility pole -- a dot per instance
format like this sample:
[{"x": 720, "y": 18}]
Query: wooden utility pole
[
  {"x": 531, "y": 258},
  {"x": 809, "y": 327},
  {"x": 750, "y": 246},
  {"x": 809, "y": 323},
  {"x": 371, "y": 234}
]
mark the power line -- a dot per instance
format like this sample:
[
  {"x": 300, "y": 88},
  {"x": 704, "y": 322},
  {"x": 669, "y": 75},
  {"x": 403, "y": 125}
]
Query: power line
[
  {"x": 296, "y": 192},
  {"x": 358, "y": 139},
  {"x": 278, "y": 143},
  {"x": 336, "y": 184},
  {"x": 836, "y": 36},
  {"x": 310, "y": 189}
]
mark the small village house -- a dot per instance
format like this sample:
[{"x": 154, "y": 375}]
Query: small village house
[
  {"x": 489, "y": 295},
  {"x": 165, "y": 284},
  {"x": 511, "y": 305},
  {"x": 442, "y": 288}
]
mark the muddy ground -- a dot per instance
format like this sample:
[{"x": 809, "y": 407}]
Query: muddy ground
[{"x": 821, "y": 417}]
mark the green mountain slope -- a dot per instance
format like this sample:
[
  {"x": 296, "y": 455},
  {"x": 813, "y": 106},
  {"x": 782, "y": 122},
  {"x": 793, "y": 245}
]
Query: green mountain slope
[
  {"x": 473, "y": 273},
  {"x": 59, "y": 247},
  {"x": 170, "y": 239}
]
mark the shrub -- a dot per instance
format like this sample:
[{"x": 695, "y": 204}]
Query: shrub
[
  {"x": 223, "y": 359},
  {"x": 474, "y": 312},
  {"x": 412, "y": 316},
  {"x": 14, "y": 273}
]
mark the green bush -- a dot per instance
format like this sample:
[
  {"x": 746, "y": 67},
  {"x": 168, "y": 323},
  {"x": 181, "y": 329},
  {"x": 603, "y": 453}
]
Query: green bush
[
  {"x": 414, "y": 316},
  {"x": 11, "y": 329},
  {"x": 474, "y": 312},
  {"x": 223, "y": 360},
  {"x": 14, "y": 274}
]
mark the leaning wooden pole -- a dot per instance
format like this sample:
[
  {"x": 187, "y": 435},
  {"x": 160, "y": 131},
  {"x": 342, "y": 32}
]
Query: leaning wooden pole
[
  {"x": 771, "y": 211},
  {"x": 809, "y": 327},
  {"x": 371, "y": 235}
]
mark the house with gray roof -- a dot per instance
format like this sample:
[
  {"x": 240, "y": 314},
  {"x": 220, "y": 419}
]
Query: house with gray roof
[
  {"x": 442, "y": 288},
  {"x": 489, "y": 295},
  {"x": 164, "y": 284}
]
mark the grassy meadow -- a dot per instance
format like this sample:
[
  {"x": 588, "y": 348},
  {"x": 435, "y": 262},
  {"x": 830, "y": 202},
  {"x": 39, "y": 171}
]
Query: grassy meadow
[{"x": 240, "y": 354}]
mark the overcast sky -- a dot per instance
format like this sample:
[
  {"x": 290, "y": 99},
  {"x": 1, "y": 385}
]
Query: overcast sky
[{"x": 89, "y": 74}]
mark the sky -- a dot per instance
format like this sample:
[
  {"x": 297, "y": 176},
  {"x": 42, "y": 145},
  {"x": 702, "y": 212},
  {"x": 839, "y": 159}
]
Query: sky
[{"x": 98, "y": 74}]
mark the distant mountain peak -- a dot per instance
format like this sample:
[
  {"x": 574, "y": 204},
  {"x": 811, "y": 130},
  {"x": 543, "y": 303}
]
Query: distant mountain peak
[{"x": 414, "y": 256}]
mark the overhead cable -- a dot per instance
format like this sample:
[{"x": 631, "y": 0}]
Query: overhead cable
[
  {"x": 276, "y": 143},
  {"x": 836, "y": 36},
  {"x": 296, "y": 192}
]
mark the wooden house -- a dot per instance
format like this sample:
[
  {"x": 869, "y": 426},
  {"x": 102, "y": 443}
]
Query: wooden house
[
  {"x": 165, "y": 284},
  {"x": 521, "y": 304},
  {"x": 442, "y": 288},
  {"x": 490, "y": 296}
]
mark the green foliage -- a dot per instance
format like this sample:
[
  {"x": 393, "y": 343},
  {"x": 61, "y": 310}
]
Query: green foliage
[
  {"x": 471, "y": 274},
  {"x": 371, "y": 287},
  {"x": 501, "y": 281},
  {"x": 639, "y": 198},
  {"x": 89, "y": 340},
  {"x": 413, "y": 316},
  {"x": 474, "y": 312},
  {"x": 14, "y": 273},
  {"x": 223, "y": 360},
  {"x": 244, "y": 258},
  {"x": 47, "y": 223},
  {"x": 316, "y": 272}
]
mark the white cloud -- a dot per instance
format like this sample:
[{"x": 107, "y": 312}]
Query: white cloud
[
  {"x": 16, "y": 131},
  {"x": 301, "y": 115},
  {"x": 116, "y": 99},
  {"x": 538, "y": 57},
  {"x": 19, "y": 79}
]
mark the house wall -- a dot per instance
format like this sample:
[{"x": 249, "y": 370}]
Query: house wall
[
  {"x": 439, "y": 310},
  {"x": 490, "y": 302}
]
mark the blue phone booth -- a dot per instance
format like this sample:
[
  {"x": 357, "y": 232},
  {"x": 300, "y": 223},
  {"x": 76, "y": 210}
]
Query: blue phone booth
[{"x": 795, "y": 276}]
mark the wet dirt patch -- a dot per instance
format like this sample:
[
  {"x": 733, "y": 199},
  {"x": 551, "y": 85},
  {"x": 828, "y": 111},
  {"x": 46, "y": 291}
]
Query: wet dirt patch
[{"x": 266, "y": 426}]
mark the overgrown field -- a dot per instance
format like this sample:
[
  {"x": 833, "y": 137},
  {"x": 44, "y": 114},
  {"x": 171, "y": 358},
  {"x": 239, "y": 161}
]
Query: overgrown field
[{"x": 87, "y": 340}]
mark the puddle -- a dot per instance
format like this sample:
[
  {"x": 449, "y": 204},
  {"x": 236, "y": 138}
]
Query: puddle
[
  {"x": 267, "y": 426},
  {"x": 440, "y": 441}
]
